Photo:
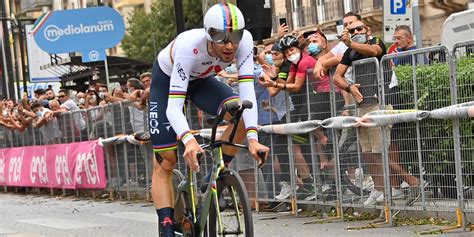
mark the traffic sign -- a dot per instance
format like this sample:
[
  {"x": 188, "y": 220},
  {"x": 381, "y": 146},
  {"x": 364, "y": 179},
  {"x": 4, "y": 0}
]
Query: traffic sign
[{"x": 395, "y": 13}]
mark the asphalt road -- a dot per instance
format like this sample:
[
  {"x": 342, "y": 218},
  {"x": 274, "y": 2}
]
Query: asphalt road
[{"x": 39, "y": 215}]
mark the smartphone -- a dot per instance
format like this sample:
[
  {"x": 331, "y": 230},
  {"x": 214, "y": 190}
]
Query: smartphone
[
  {"x": 283, "y": 21},
  {"x": 339, "y": 27}
]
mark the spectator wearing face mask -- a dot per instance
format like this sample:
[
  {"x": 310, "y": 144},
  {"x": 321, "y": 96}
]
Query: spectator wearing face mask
[
  {"x": 365, "y": 94},
  {"x": 48, "y": 125},
  {"x": 81, "y": 99}
]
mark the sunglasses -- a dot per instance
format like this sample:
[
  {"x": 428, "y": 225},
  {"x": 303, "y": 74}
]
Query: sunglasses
[
  {"x": 358, "y": 28},
  {"x": 61, "y": 96},
  {"x": 222, "y": 37}
]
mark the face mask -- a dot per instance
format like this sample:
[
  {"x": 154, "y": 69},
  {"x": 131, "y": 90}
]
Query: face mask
[
  {"x": 93, "y": 97},
  {"x": 130, "y": 90},
  {"x": 314, "y": 49},
  {"x": 269, "y": 58},
  {"x": 38, "y": 114},
  {"x": 359, "y": 38},
  {"x": 101, "y": 95},
  {"x": 82, "y": 101},
  {"x": 294, "y": 58}
]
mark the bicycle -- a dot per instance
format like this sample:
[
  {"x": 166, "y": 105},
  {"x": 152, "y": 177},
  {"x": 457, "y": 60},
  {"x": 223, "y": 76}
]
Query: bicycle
[{"x": 224, "y": 208}]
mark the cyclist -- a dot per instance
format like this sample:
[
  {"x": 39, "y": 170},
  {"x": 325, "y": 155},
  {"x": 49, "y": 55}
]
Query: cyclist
[{"x": 186, "y": 68}]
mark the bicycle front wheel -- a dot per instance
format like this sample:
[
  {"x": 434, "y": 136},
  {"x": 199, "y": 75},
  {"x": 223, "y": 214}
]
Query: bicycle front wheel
[{"x": 235, "y": 212}]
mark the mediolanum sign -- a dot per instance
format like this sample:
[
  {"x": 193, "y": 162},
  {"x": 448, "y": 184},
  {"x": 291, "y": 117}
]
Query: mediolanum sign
[{"x": 79, "y": 30}]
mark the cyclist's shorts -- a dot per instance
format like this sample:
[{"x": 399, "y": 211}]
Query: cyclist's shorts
[{"x": 208, "y": 94}]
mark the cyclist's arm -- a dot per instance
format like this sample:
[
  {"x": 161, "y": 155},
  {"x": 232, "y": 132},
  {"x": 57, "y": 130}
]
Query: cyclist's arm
[
  {"x": 246, "y": 83},
  {"x": 177, "y": 95}
]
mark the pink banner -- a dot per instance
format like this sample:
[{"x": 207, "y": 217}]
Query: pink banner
[{"x": 71, "y": 166}]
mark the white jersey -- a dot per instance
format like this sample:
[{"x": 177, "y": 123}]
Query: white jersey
[{"x": 187, "y": 58}]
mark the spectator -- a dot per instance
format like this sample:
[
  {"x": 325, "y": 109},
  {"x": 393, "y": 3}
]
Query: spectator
[
  {"x": 81, "y": 100},
  {"x": 38, "y": 93},
  {"x": 68, "y": 105},
  {"x": 296, "y": 85},
  {"x": 332, "y": 59},
  {"x": 399, "y": 176},
  {"x": 360, "y": 47},
  {"x": 92, "y": 98},
  {"x": 145, "y": 78},
  {"x": 48, "y": 125},
  {"x": 135, "y": 87},
  {"x": 54, "y": 105},
  {"x": 49, "y": 94}
]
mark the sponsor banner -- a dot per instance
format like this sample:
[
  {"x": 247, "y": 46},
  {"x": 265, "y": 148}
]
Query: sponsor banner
[
  {"x": 78, "y": 30},
  {"x": 70, "y": 166}
]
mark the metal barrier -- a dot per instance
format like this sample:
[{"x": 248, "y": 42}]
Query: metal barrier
[{"x": 419, "y": 163}]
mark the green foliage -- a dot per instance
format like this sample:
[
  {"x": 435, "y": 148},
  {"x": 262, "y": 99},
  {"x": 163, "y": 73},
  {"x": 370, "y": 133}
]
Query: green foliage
[
  {"x": 149, "y": 33},
  {"x": 433, "y": 92}
]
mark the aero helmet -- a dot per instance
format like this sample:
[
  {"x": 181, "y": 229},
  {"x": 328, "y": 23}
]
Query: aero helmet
[{"x": 224, "y": 22}]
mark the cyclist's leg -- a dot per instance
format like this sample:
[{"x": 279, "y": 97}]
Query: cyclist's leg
[
  {"x": 211, "y": 103},
  {"x": 164, "y": 146}
]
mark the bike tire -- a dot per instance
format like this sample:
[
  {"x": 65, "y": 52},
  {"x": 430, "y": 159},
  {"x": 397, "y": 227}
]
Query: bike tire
[
  {"x": 181, "y": 205},
  {"x": 230, "y": 180}
]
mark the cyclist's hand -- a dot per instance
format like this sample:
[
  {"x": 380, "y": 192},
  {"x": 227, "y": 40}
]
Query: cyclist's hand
[
  {"x": 190, "y": 152},
  {"x": 254, "y": 147}
]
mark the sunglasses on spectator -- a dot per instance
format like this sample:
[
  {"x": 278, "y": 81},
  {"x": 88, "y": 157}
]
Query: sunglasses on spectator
[
  {"x": 61, "y": 96},
  {"x": 358, "y": 29},
  {"x": 223, "y": 37}
]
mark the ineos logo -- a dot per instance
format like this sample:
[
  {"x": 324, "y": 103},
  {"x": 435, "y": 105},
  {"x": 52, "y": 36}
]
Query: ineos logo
[
  {"x": 181, "y": 72},
  {"x": 94, "y": 55}
]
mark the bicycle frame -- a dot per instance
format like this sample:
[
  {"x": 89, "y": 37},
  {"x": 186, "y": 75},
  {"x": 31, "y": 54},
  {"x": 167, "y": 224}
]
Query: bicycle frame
[{"x": 199, "y": 216}]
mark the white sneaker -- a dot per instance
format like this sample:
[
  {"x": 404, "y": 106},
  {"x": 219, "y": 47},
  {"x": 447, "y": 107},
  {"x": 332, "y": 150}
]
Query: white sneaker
[
  {"x": 325, "y": 188},
  {"x": 285, "y": 191},
  {"x": 404, "y": 185},
  {"x": 374, "y": 197},
  {"x": 397, "y": 193}
]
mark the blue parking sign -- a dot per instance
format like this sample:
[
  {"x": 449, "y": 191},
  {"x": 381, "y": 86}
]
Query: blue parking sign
[{"x": 398, "y": 7}]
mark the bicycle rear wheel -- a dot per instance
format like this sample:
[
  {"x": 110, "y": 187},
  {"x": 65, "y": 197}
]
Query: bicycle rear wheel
[{"x": 234, "y": 206}]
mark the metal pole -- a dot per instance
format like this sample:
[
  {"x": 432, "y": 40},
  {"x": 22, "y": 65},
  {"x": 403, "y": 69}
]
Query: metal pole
[
  {"x": 5, "y": 68},
  {"x": 106, "y": 71},
  {"x": 417, "y": 25},
  {"x": 22, "y": 53},
  {"x": 178, "y": 12},
  {"x": 6, "y": 53}
]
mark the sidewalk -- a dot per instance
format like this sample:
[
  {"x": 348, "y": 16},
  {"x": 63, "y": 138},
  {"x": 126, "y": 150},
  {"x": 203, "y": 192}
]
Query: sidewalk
[{"x": 31, "y": 215}]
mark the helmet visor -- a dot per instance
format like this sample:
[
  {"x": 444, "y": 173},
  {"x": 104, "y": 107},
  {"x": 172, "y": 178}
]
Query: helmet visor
[{"x": 222, "y": 37}]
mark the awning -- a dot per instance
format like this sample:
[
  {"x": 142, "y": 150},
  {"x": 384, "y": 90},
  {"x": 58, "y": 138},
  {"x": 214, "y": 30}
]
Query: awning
[{"x": 120, "y": 68}]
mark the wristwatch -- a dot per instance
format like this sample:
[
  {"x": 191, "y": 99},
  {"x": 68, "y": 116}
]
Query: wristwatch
[{"x": 348, "y": 88}]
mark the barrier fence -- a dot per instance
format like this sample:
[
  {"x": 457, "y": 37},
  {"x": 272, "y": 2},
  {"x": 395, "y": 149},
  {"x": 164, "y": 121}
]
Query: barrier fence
[{"x": 413, "y": 140}]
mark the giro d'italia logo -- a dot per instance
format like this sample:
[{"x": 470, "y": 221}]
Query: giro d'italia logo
[{"x": 53, "y": 32}]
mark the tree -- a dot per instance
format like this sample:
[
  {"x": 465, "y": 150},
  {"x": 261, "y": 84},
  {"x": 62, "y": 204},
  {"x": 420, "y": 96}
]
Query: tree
[{"x": 151, "y": 32}]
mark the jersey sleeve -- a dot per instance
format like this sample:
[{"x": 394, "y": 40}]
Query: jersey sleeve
[
  {"x": 303, "y": 67},
  {"x": 244, "y": 60},
  {"x": 177, "y": 94}
]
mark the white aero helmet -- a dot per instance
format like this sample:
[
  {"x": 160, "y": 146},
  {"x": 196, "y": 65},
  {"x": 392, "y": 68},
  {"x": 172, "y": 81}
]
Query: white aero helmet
[{"x": 224, "y": 22}]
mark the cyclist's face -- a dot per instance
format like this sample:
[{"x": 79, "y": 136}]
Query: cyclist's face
[{"x": 225, "y": 51}]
